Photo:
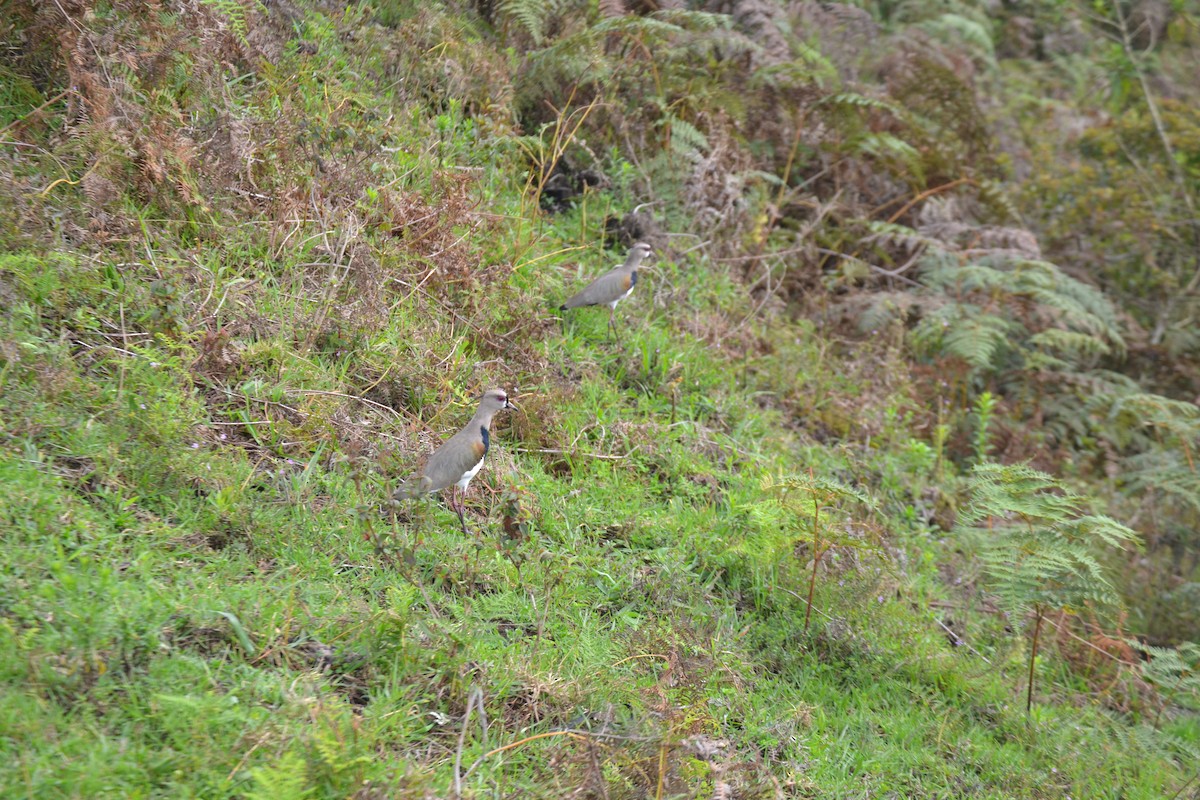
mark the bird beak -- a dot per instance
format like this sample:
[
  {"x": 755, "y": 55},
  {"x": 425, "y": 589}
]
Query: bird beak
[{"x": 510, "y": 404}]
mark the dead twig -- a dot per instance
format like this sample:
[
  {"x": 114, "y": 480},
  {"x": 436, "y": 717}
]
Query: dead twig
[
  {"x": 945, "y": 187},
  {"x": 363, "y": 400},
  {"x": 572, "y": 732},
  {"x": 450, "y": 310},
  {"x": 474, "y": 700},
  {"x": 876, "y": 269},
  {"x": 574, "y": 453},
  {"x": 1100, "y": 650},
  {"x": 34, "y": 112}
]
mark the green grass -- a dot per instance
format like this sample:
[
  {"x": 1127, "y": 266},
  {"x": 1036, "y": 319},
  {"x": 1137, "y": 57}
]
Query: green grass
[
  {"x": 205, "y": 593},
  {"x": 194, "y": 609}
]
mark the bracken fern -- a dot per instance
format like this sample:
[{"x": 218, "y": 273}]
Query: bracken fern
[
  {"x": 234, "y": 12},
  {"x": 1006, "y": 317},
  {"x": 805, "y": 497},
  {"x": 1039, "y": 550}
]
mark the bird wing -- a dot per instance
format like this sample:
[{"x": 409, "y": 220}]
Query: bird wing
[
  {"x": 453, "y": 459},
  {"x": 608, "y": 287}
]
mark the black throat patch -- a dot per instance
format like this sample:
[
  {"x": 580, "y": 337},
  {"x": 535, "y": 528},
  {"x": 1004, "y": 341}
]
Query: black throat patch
[{"x": 487, "y": 438}]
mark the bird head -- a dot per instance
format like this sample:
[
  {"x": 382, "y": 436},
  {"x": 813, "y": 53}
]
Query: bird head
[
  {"x": 638, "y": 252},
  {"x": 495, "y": 400}
]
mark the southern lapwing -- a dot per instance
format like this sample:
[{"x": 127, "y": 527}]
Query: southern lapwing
[
  {"x": 613, "y": 286},
  {"x": 457, "y": 461}
]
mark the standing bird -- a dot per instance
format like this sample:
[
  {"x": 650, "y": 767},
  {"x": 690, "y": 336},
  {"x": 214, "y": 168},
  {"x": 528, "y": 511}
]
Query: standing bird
[
  {"x": 457, "y": 461},
  {"x": 613, "y": 286}
]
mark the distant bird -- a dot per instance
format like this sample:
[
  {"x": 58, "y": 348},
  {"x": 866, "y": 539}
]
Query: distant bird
[
  {"x": 613, "y": 286},
  {"x": 460, "y": 458}
]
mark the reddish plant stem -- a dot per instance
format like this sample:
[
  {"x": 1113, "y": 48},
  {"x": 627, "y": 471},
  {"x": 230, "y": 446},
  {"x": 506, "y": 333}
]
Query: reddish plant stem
[
  {"x": 1037, "y": 630},
  {"x": 812, "y": 581}
]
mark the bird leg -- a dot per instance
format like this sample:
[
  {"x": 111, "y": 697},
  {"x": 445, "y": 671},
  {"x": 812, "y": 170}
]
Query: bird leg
[
  {"x": 460, "y": 507},
  {"x": 419, "y": 522},
  {"x": 612, "y": 324}
]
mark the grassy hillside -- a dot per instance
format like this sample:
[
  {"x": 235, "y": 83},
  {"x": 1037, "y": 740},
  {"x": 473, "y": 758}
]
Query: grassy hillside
[{"x": 776, "y": 541}]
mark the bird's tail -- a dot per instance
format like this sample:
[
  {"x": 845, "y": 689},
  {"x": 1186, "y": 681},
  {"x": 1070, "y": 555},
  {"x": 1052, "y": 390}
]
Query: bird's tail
[{"x": 412, "y": 489}]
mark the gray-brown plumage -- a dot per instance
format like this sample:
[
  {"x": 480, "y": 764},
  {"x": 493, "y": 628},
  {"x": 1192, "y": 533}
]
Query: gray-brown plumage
[
  {"x": 457, "y": 461},
  {"x": 613, "y": 286}
]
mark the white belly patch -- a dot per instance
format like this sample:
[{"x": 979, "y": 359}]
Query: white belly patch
[
  {"x": 628, "y": 292},
  {"x": 466, "y": 478}
]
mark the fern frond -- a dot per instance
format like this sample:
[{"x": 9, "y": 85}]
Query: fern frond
[
  {"x": 821, "y": 507},
  {"x": 686, "y": 138},
  {"x": 1166, "y": 472},
  {"x": 1072, "y": 343},
  {"x": 819, "y": 66},
  {"x": 1044, "y": 361},
  {"x": 955, "y": 28},
  {"x": 1175, "y": 671},
  {"x": 808, "y": 494},
  {"x": 234, "y": 12},
  {"x": 856, "y": 100},
  {"x": 285, "y": 780},
  {"x": 1054, "y": 322},
  {"x": 886, "y": 308},
  {"x": 1027, "y": 571},
  {"x": 994, "y": 195},
  {"x": 888, "y": 147},
  {"x": 1040, "y": 549},
  {"x": 1004, "y": 490},
  {"x": 964, "y": 331},
  {"x": 1101, "y": 527},
  {"x": 531, "y": 15},
  {"x": 566, "y": 61},
  {"x": 795, "y": 73},
  {"x": 1077, "y": 305},
  {"x": 613, "y": 8},
  {"x": 693, "y": 20},
  {"x": 1175, "y": 418},
  {"x": 889, "y": 234},
  {"x": 651, "y": 28}
]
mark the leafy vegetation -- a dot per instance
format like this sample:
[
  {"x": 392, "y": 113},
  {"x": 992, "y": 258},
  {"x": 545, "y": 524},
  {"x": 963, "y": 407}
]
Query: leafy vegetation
[
  {"x": 902, "y": 418},
  {"x": 1044, "y": 556}
]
